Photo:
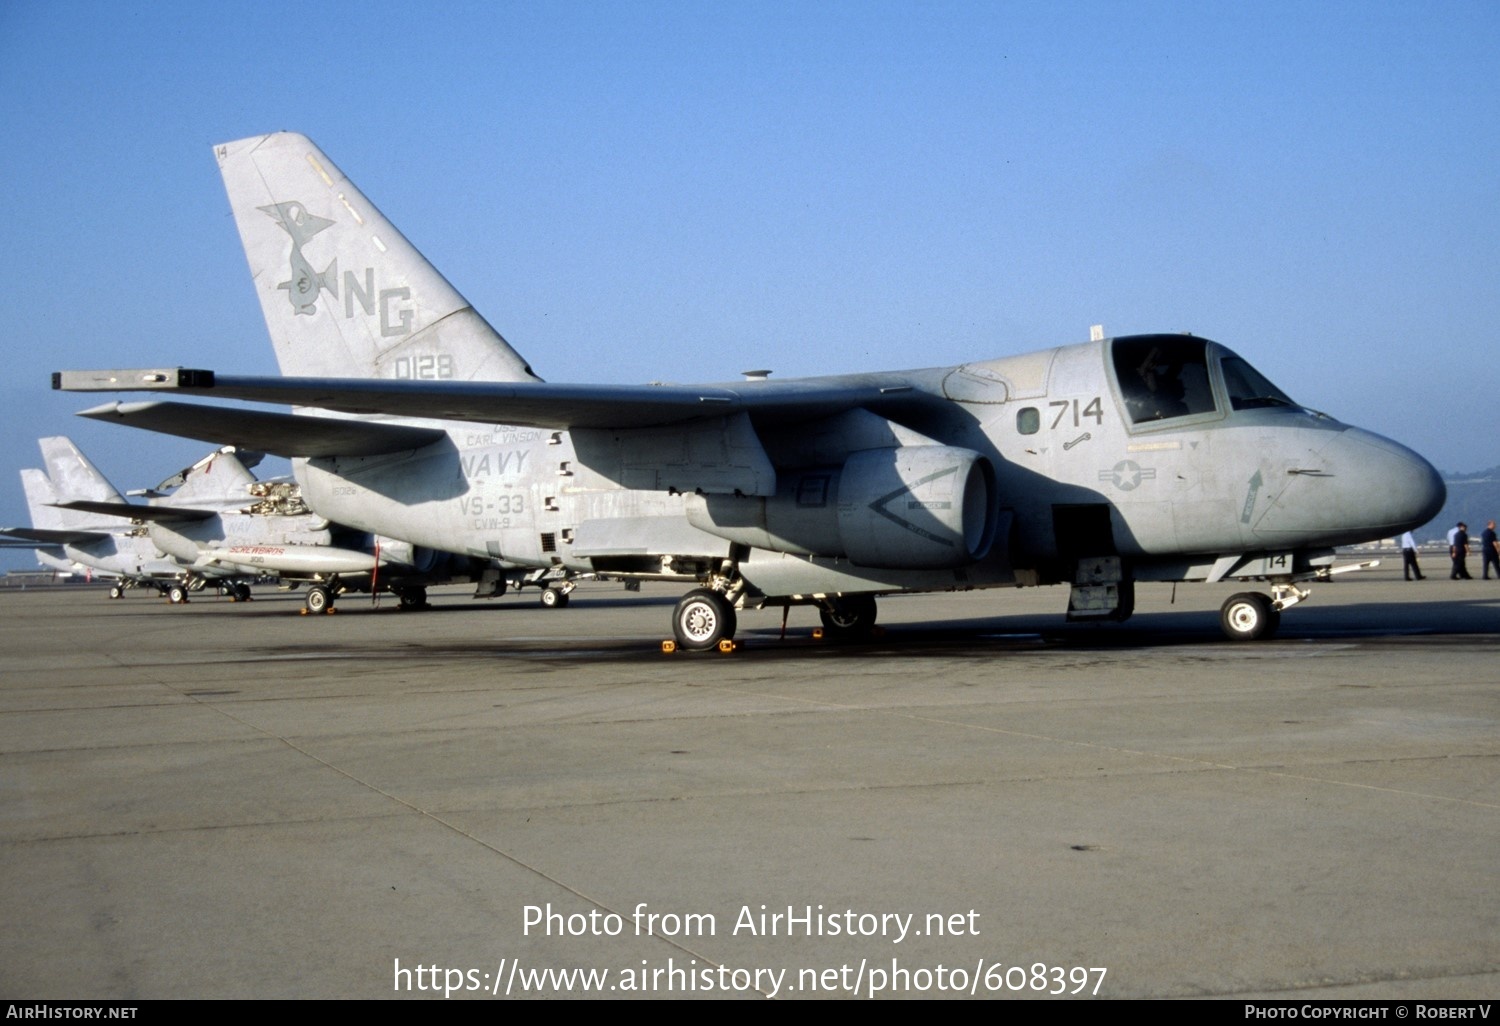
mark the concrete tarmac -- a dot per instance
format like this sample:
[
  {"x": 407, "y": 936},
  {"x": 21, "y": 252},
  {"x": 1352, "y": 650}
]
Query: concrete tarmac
[{"x": 235, "y": 801}]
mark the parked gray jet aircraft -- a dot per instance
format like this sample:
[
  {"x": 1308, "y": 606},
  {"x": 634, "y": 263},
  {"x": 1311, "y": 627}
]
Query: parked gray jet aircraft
[
  {"x": 80, "y": 545},
  {"x": 70, "y": 533},
  {"x": 221, "y": 523},
  {"x": 1097, "y": 465}
]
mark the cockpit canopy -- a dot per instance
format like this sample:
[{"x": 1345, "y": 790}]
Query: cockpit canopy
[{"x": 1164, "y": 377}]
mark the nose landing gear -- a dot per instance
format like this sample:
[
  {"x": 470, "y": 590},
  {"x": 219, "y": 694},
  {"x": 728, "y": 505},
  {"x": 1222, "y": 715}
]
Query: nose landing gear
[{"x": 1251, "y": 616}]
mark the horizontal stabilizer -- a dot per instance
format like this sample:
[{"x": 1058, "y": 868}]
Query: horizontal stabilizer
[
  {"x": 281, "y": 434},
  {"x": 137, "y": 511},
  {"x": 53, "y": 537},
  {"x": 42, "y": 549}
]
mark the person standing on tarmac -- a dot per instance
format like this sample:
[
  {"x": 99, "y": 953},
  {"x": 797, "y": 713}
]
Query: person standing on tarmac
[
  {"x": 1409, "y": 565},
  {"x": 1458, "y": 549}
]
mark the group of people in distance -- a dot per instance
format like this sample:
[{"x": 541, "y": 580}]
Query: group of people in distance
[{"x": 1458, "y": 552}]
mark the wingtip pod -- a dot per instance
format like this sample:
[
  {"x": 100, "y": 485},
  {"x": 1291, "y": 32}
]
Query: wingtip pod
[
  {"x": 343, "y": 292},
  {"x": 147, "y": 380}
]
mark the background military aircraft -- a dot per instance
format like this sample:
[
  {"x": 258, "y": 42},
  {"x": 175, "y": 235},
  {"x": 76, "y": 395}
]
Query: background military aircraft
[
  {"x": 221, "y": 520},
  {"x": 1097, "y": 465},
  {"x": 70, "y": 505},
  {"x": 215, "y": 522}
]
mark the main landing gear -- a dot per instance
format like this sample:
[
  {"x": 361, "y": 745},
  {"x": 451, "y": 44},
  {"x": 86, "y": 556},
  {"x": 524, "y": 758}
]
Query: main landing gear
[
  {"x": 705, "y": 619},
  {"x": 411, "y": 599},
  {"x": 320, "y": 597},
  {"x": 847, "y": 617},
  {"x": 177, "y": 592},
  {"x": 318, "y": 600}
]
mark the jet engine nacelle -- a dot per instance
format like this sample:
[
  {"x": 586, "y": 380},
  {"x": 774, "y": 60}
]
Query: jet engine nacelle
[{"x": 914, "y": 507}]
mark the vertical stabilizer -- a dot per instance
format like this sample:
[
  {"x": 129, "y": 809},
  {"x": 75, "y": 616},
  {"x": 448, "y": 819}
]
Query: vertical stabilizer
[
  {"x": 74, "y": 478},
  {"x": 39, "y": 499},
  {"x": 44, "y": 517},
  {"x": 216, "y": 478},
  {"x": 343, "y": 292}
]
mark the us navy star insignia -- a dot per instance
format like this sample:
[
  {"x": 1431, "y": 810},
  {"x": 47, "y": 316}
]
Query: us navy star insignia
[{"x": 1127, "y": 475}]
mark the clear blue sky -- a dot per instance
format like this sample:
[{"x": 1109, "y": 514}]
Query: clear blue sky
[{"x": 680, "y": 191}]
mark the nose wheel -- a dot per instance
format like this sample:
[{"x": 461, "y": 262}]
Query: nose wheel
[{"x": 1249, "y": 616}]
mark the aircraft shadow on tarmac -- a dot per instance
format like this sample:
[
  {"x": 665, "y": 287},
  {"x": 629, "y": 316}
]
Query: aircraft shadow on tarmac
[{"x": 761, "y": 634}]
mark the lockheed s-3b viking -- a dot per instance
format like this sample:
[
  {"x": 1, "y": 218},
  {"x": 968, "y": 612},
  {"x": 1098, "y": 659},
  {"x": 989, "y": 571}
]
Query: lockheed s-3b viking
[{"x": 1097, "y": 465}]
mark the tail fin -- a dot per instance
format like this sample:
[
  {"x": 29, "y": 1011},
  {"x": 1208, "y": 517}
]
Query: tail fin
[
  {"x": 343, "y": 292},
  {"x": 40, "y": 495},
  {"x": 45, "y": 519},
  {"x": 218, "y": 476},
  {"x": 73, "y": 478}
]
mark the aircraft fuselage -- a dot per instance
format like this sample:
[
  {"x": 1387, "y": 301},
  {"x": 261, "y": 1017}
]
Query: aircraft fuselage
[{"x": 1080, "y": 464}]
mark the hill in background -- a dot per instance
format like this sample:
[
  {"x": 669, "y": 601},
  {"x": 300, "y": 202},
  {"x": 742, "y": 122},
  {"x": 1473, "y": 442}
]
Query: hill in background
[{"x": 1472, "y": 498}]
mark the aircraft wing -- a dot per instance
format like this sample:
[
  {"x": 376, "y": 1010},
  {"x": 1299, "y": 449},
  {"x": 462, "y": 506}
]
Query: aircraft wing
[
  {"x": 525, "y": 403},
  {"x": 281, "y": 434},
  {"x": 137, "y": 511}
]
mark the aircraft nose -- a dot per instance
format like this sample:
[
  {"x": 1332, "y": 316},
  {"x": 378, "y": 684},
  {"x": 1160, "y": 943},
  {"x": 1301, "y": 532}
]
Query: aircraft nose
[
  {"x": 1358, "y": 487},
  {"x": 1384, "y": 486}
]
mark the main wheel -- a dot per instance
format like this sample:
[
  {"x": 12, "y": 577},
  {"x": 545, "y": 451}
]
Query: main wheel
[
  {"x": 176, "y": 594},
  {"x": 1249, "y": 616},
  {"x": 702, "y": 620},
  {"x": 554, "y": 598},
  {"x": 412, "y": 598},
  {"x": 116, "y": 591},
  {"x": 319, "y": 599},
  {"x": 848, "y": 617}
]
